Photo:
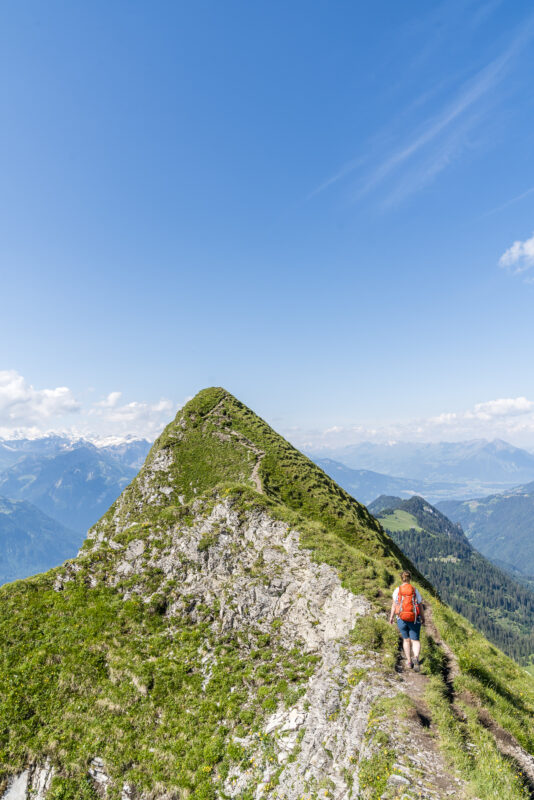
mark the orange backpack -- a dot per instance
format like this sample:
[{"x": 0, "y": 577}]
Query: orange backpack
[{"x": 407, "y": 607}]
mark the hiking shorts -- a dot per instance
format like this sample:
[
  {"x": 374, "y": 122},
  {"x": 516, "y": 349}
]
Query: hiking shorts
[{"x": 409, "y": 630}]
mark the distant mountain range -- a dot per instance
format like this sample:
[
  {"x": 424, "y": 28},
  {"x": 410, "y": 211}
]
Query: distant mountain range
[
  {"x": 30, "y": 541},
  {"x": 129, "y": 451},
  {"x": 65, "y": 486},
  {"x": 501, "y": 526},
  {"x": 473, "y": 462},
  {"x": 366, "y": 485},
  {"x": 491, "y": 599},
  {"x": 73, "y": 481},
  {"x": 75, "y": 486}
]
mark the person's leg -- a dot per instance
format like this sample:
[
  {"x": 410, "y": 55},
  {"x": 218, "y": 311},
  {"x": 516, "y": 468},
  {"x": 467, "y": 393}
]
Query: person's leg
[
  {"x": 405, "y": 633},
  {"x": 407, "y": 652},
  {"x": 416, "y": 644}
]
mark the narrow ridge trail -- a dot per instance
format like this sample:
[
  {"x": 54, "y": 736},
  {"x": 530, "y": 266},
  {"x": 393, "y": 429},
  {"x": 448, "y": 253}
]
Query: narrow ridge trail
[
  {"x": 416, "y": 685},
  {"x": 426, "y": 754},
  {"x": 260, "y": 454}
]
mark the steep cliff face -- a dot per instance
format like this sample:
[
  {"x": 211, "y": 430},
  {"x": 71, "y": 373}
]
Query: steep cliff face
[{"x": 222, "y": 635}]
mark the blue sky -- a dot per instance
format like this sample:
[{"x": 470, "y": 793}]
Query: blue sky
[{"x": 314, "y": 205}]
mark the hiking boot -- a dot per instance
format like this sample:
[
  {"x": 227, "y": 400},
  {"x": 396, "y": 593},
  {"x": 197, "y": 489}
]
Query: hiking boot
[
  {"x": 409, "y": 664},
  {"x": 415, "y": 664}
]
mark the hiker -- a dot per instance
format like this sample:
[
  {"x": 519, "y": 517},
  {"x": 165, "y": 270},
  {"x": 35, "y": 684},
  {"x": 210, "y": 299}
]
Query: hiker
[{"x": 407, "y": 606}]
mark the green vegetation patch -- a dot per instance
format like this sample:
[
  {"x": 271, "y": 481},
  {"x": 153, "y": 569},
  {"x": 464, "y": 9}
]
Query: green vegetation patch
[
  {"x": 472, "y": 750},
  {"x": 386, "y": 715},
  {"x": 503, "y": 687},
  {"x": 400, "y": 521},
  {"x": 85, "y": 673},
  {"x": 377, "y": 635}
]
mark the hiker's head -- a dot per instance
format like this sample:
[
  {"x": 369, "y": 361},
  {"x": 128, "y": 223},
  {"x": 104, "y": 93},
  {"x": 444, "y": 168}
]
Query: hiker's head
[{"x": 406, "y": 576}]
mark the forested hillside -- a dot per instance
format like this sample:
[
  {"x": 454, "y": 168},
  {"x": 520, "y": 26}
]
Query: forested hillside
[
  {"x": 494, "y": 602},
  {"x": 500, "y": 526}
]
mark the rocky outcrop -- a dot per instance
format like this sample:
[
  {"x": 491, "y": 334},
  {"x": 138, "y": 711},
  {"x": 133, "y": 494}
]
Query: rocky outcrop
[
  {"x": 252, "y": 568},
  {"x": 32, "y": 784}
]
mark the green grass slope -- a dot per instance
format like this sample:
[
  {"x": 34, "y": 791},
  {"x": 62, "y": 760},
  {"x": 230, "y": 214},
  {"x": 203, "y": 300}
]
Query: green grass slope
[{"x": 91, "y": 666}]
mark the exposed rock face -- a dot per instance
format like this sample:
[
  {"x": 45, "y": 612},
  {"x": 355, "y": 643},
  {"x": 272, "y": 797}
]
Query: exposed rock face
[
  {"x": 32, "y": 784},
  {"x": 255, "y": 568},
  {"x": 256, "y": 571},
  {"x": 217, "y": 559}
]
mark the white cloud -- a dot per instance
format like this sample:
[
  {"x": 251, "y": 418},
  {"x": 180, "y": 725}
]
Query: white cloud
[
  {"x": 510, "y": 418},
  {"x": 134, "y": 418},
  {"x": 519, "y": 257},
  {"x": 29, "y": 412},
  {"x": 111, "y": 401},
  {"x": 21, "y": 403},
  {"x": 504, "y": 407},
  {"x": 485, "y": 412}
]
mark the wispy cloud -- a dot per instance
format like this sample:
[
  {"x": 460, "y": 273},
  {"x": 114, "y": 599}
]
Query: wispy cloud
[
  {"x": 439, "y": 139},
  {"x": 508, "y": 203},
  {"x": 345, "y": 170}
]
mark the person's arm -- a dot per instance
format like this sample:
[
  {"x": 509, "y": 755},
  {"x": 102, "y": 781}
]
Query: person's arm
[
  {"x": 421, "y": 610},
  {"x": 392, "y": 613}
]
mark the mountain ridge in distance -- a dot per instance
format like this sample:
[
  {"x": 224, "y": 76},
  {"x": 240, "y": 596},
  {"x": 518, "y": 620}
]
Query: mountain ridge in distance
[
  {"x": 31, "y": 541},
  {"x": 479, "y": 460},
  {"x": 74, "y": 486},
  {"x": 128, "y": 450},
  {"x": 501, "y": 526},
  {"x": 367, "y": 485}
]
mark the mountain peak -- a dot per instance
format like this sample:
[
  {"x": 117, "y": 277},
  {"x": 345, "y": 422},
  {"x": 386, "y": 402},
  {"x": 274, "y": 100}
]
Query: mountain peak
[{"x": 216, "y": 446}]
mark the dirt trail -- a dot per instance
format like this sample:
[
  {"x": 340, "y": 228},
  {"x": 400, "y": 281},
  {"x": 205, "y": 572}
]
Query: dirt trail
[
  {"x": 437, "y": 780},
  {"x": 416, "y": 684},
  {"x": 260, "y": 455}
]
